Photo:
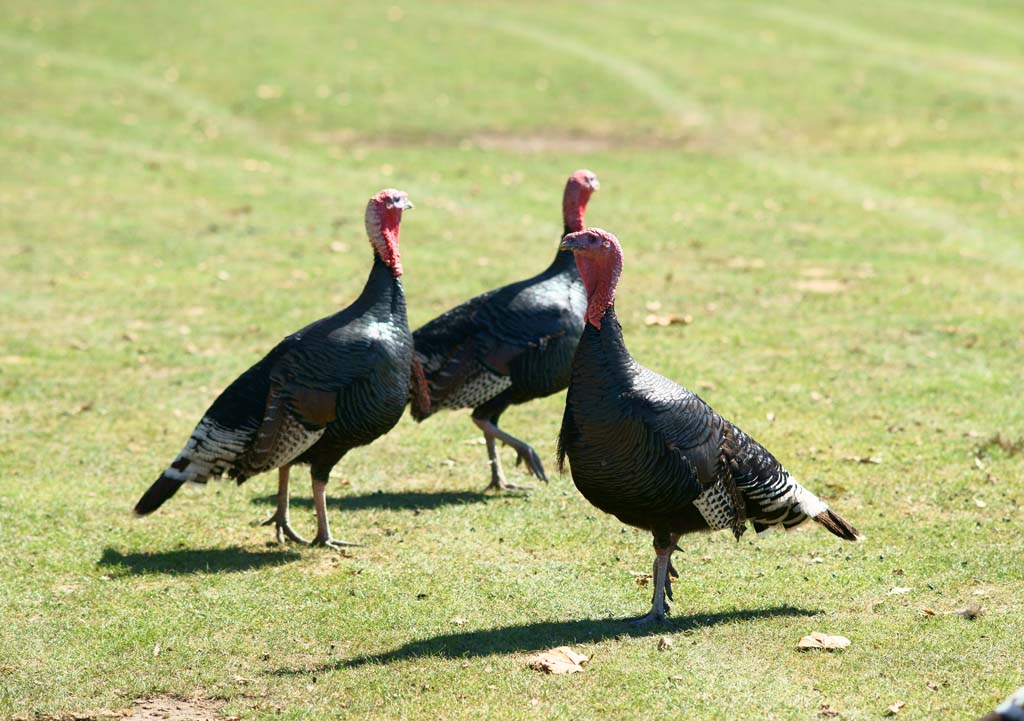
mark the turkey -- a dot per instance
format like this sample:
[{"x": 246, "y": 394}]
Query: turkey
[
  {"x": 336, "y": 384},
  {"x": 1012, "y": 709},
  {"x": 654, "y": 454},
  {"x": 509, "y": 345}
]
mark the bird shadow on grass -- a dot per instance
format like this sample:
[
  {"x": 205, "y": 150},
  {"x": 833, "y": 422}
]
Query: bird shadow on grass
[
  {"x": 542, "y": 635},
  {"x": 387, "y": 501},
  {"x": 192, "y": 560}
]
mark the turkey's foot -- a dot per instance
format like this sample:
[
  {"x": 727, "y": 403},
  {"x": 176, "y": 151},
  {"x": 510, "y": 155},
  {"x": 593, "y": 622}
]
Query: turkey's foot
[
  {"x": 283, "y": 529},
  {"x": 498, "y": 480},
  {"x": 331, "y": 542},
  {"x": 653, "y": 616},
  {"x": 526, "y": 455},
  {"x": 500, "y": 483}
]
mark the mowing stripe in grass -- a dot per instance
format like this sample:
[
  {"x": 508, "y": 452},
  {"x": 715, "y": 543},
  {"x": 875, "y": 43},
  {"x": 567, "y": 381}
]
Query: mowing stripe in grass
[
  {"x": 688, "y": 113},
  {"x": 998, "y": 78}
]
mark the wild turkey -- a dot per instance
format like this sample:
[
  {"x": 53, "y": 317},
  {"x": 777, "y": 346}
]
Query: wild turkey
[
  {"x": 654, "y": 454},
  {"x": 336, "y": 384},
  {"x": 509, "y": 345},
  {"x": 1012, "y": 709}
]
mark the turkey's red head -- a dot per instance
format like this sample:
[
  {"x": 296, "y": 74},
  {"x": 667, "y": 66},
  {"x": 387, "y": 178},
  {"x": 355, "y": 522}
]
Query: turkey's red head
[
  {"x": 578, "y": 189},
  {"x": 383, "y": 219},
  {"x": 599, "y": 258}
]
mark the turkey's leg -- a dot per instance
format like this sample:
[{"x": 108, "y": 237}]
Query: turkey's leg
[
  {"x": 524, "y": 453},
  {"x": 280, "y": 517},
  {"x": 662, "y": 584},
  {"x": 323, "y": 528}
]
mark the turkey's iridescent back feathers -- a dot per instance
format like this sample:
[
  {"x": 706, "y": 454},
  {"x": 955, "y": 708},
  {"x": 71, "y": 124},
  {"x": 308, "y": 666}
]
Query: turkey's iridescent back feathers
[{"x": 520, "y": 337}]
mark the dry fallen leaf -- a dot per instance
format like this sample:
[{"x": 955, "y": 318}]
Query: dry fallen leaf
[
  {"x": 558, "y": 660},
  {"x": 822, "y": 640},
  {"x": 927, "y": 612},
  {"x": 932, "y": 686},
  {"x": 897, "y": 590},
  {"x": 820, "y": 285},
  {"x": 460, "y": 621},
  {"x": 895, "y": 708},
  {"x": 664, "y": 643},
  {"x": 666, "y": 320},
  {"x": 827, "y": 711}
]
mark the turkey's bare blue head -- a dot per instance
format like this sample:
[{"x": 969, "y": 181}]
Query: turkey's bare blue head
[
  {"x": 599, "y": 258},
  {"x": 578, "y": 190},
  {"x": 383, "y": 221}
]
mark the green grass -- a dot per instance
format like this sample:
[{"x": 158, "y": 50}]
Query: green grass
[{"x": 162, "y": 225}]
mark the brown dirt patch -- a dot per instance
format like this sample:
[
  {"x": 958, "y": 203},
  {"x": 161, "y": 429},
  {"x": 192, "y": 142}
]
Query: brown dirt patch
[
  {"x": 157, "y": 708},
  {"x": 165, "y": 708}
]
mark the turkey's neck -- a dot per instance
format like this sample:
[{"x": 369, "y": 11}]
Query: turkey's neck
[
  {"x": 607, "y": 347},
  {"x": 574, "y": 210},
  {"x": 383, "y": 294}
]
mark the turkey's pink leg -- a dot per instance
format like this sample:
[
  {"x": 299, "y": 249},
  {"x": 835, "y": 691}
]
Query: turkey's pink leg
[
  {"x": 662, "y": 587},
  {"x": 280, "y": 517},
  {"x": 323, "y": 528},
  {"x": 524, "y": 453}
]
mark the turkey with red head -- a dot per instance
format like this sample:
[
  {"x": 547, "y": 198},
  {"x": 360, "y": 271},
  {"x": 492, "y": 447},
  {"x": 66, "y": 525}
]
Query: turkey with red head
[
  {"x": 651, "y": 452},
  {"x": 509, "y": 345},
  {"x": 336, "y": 384}
]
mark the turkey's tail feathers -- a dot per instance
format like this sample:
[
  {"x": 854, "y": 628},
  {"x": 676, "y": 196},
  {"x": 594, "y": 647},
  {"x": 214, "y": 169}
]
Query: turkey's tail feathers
[
  {"x": 838, "y": 526},
  {"x": 163, "y": 488}
]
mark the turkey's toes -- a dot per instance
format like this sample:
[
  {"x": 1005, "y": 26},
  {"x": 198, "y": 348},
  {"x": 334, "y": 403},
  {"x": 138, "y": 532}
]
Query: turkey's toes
[
  {"x": 500, "y": 484},
  {"x": 653, "y": 616},
  {"x": 331, "y": 542},
  {"x": 526, "y": 454},
  {"x": 283, "y": 530}
]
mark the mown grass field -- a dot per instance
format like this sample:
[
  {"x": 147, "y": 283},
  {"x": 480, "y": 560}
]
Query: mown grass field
[{"x": 836, "y": 197}]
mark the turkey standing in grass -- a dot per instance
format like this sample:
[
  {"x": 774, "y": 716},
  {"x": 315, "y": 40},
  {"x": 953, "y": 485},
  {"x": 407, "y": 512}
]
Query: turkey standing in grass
[
  {"x": 654, "y": 454},
  {"x": 336, "y": 384},
  {"x": 509, "y": 345}
]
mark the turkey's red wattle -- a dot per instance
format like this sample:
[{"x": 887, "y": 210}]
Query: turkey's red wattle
[
  {"x": 391, "y": 221},
  {"x": 600, "y": 274}
]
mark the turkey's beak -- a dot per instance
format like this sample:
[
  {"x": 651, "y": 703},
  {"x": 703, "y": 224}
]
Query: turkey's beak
[
  {"x": 406, "y": 204},
  {"x": 569, "y": 243}
]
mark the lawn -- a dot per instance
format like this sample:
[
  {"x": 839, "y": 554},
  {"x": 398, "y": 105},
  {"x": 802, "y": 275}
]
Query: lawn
[{"x": 833, "y": 196}]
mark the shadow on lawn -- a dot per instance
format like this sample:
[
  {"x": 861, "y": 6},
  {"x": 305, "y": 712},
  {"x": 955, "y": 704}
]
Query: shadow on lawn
[
  {"x": 387, "y": 501},
  {"x": 191, "y": 560},
  {"x": 544, "y": 635}
]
